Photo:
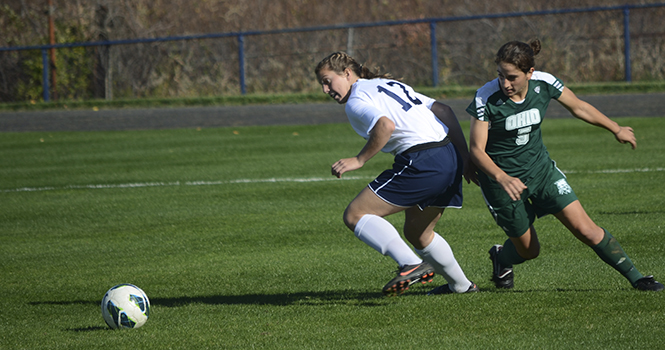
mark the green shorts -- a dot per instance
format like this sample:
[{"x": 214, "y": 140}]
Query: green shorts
[{"x": 548, "y": 193}]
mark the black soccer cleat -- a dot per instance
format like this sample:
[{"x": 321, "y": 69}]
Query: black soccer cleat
[
  {"x": 648, "y": 283},
  {"x": 501, "y": 276},
  {"x": 408, "y": 275},
  {"x": 445, "y": 289}
]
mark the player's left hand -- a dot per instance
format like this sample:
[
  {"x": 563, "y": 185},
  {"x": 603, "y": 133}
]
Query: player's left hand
[
  {"x": 626, "y": 134},
  {"x": 471, "y": 172}
]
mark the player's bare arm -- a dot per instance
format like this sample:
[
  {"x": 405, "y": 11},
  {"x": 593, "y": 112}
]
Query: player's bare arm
[
  {"x": 447, "y": 116},
  {"x": 478, "y": 139},
  {"x": 590, "y": 114},
  {"x": 378, "y": 137}
]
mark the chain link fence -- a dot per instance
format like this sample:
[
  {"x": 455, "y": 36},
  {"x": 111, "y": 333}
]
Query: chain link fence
[{"x": 579, "y": 45}]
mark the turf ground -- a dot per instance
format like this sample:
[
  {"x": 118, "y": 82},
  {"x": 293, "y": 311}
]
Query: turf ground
[{"x": 236, "y": 236}]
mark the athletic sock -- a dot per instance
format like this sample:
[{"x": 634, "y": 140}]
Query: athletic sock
[
  {"x": 379, "y": 234},
  {"x": 610, "y": 251},
  {"x": 509, "y": 255},
  {"x": 439, "y": 254}
]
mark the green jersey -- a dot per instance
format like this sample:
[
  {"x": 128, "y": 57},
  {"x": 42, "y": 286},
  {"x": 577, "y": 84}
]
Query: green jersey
[{"x": 514, "y": 139}]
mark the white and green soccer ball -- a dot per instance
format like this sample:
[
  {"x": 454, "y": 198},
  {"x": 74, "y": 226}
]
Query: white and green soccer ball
[{"x": 125, "y": 306}]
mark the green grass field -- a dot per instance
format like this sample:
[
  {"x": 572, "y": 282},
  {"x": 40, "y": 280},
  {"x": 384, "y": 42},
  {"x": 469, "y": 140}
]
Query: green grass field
[{"x": 236, "y": 236}]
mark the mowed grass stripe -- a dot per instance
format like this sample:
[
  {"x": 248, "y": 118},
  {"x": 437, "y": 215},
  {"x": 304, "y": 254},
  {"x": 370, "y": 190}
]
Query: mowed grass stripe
[{"x": 238, "y": 244}]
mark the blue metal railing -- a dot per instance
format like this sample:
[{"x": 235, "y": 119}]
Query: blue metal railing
[
  {"x": 432, "y": 22},
  {"x": 626, "y": 40}
]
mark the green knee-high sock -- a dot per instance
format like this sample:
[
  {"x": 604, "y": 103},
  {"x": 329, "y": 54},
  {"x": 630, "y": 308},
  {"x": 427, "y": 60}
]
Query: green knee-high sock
[
  {"x": 610, "y": 251},
  {"x": 509, "y": 256}
]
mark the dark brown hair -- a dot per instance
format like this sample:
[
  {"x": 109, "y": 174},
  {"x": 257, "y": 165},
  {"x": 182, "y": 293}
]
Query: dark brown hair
[
  {"x": 522, "y": 55},
  {"x": 339, "y": 61}
]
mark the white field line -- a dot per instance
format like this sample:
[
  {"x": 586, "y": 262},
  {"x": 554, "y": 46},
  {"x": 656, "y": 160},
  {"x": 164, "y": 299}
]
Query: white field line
[
  {"x": 185, "y": 183},
  {"x": 615, "y": 171},
  {"x": 272, "y": 180}
]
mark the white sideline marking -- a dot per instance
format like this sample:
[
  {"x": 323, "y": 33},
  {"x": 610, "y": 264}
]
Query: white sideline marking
[
  {"x": 615, "y": 171},
  {"x": 273, "y": 180},
  {"x": 186, "y": 183}
]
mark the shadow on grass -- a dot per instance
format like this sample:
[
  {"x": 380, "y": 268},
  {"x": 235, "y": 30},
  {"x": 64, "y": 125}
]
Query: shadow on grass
[
  {"x": 66, "y": 302},
  {"x": 280, "y": 299},
  {"x": 632, "y": 212},
  {"x": 89, "y": 329},
  {"x": 340, "y": 297}
]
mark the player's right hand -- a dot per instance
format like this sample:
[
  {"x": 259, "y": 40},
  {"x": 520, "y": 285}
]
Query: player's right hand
[
  {"x": 513, "y": 186},
  {"x": 344, "y": 165}
]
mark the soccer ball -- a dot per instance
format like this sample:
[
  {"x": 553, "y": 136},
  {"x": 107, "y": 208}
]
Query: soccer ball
[{"x": 125, "y": 306}]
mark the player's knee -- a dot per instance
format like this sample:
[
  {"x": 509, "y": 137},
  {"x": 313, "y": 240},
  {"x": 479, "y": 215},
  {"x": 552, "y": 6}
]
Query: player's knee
[
  {"x": 531, "y": 253},
  {"x": 351, "y": 219},
  {"x": 412, "y": 236},
  {"x": 528, "y": 246},
  {"x": 418, "y": 238}
]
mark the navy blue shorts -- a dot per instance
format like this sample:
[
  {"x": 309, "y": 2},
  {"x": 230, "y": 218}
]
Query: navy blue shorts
[{"x": 427, "y": 178}]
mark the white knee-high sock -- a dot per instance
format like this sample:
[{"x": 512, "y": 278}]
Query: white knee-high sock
[
  {"x": 440, "y": 256},
  {"x": 379, "y": 234}
]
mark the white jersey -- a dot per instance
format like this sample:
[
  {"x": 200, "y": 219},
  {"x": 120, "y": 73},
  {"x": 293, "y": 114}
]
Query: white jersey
[{"x": 415, "y": 123}]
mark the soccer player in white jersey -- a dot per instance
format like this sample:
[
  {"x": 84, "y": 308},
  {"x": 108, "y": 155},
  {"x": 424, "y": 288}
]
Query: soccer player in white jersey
[
  {"x": 426, "y": 177},
  {"x": 519, "y": 180}
]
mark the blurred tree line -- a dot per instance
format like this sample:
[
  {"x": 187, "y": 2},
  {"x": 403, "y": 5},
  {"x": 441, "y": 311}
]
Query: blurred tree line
[{"x": 582, "y": 47}]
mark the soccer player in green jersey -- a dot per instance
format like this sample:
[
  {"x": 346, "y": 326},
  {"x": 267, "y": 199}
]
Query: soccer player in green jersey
[{"x": 518, "y": 178}]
